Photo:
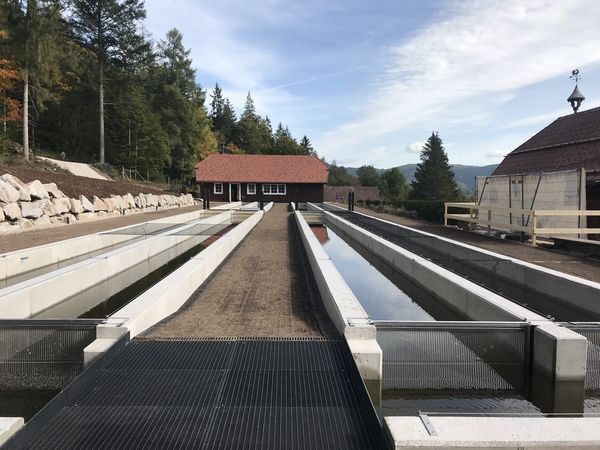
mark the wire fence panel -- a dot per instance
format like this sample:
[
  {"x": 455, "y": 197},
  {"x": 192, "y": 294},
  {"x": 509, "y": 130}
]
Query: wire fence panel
[
  {"x": 591, "y": 331},
  {"x": 541, "y": 191},
  {"x": 42, "y": 354},
  {"x": 454, "y": 355}
]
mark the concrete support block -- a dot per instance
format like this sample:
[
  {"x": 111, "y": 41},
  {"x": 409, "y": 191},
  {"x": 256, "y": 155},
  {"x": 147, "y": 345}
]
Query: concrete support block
[
  {"x": 559, "y": 353},
  {"x": 96, "y": 349},
  {"x": 368, "y": 357},
  {"x": 9, "y": 426}
]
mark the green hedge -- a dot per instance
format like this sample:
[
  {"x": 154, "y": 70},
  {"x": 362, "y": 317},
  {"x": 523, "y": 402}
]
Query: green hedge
[{"x": 431, "y": 210}]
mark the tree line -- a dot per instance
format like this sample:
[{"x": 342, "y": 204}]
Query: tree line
[
  {"x": 83, "y": 78},
  {"x": 434, "y": 178}
]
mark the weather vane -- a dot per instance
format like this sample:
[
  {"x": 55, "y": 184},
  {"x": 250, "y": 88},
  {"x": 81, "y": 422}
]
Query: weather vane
[
  {"x": 575, "y": 76},
  {"x": 576, "y": 97}
]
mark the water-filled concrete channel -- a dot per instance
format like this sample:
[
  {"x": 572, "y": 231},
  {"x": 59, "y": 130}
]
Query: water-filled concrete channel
[
  {"x": 102, "y": 300},
  {"x": 388, "y": 295}
]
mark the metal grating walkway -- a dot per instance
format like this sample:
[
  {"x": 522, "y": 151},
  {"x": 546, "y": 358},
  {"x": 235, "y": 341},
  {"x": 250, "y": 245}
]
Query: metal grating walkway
[{"x": 299, "y": 393}]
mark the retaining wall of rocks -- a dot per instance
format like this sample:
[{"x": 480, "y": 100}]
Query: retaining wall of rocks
[{"x": 25, "y": 206}]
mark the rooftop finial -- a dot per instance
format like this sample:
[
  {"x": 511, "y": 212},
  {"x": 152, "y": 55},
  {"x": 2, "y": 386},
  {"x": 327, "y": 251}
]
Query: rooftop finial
[{"x": 576, "y": 97}]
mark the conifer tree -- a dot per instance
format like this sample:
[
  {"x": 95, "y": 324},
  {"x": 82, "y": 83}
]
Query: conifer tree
[
  {"x": 307, "y": 147},
  {"x": 109, "y": 29},
  {"x": 434, "y": 179},
  {"x": 35, "y": 41}
]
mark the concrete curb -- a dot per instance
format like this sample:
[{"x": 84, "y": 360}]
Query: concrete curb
[
  {"x": 506, "y": 433},
  {"x": 9, "y": 426}
]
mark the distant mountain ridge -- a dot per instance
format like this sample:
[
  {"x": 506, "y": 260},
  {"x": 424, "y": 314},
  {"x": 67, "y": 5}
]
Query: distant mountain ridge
[{"x": 464, "y": 175}]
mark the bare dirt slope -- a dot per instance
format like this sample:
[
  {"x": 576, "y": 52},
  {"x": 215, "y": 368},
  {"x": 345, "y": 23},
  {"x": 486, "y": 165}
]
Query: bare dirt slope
[
  {"x": 259, "y": 291},
  {"x": 74, "y": 186}
]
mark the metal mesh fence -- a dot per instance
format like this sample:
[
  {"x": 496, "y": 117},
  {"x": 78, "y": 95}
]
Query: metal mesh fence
[
  {"x": 542, "y": 191},
  {"x": 454, "y": 355},
  {"x": 591, "y": 331},
  {"x": 42, "y": 354}
]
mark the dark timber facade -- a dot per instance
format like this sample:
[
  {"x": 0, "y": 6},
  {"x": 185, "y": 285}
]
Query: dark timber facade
[{"x": 272, "y": 178}]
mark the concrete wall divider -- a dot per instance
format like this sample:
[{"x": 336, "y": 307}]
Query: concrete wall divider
[
  {"x": 171, "y": 293},
  {"x": 569, "y": 289},
  {"x": 31, "y": 297},
  {"x": 344, "y": 310},
  {"x": 21, "y": 262},
  {"x": 558, "y": 353}
]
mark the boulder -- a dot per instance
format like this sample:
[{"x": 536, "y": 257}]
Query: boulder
[
  {"x": 140, "y": 201},
  {"x": 76, "y": 207},
  {"x": 37, "y": 190},
  {"x": 25, "y": 224},
  {"x": 12, "y": 211},
  {"x": 119, "y": 202},
  {"x": 46, "y": 207},
  {"x": 24, "y": 195},
  {"x": 190, "y": 199},
  {"x": 8, "y": 194},
  {"x": 61, "y": 205},
  {"x": 129, "y": 201},
  {"x": 31, "y": 210},
  {"x": 84, "y": 216},
  {"x": 53, "y": 190},
  {"x": 99, "y": 204},
  {"x": 42, "y": 221},
  {"x": 1, "y": 215},
  {"x": 86, "y": 204},
  {"x": 111, "y": 204},
  {"x": 162, "y": 200}
]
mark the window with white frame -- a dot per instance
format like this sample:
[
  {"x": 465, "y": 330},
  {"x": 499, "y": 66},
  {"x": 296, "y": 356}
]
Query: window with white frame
[
  {"x": 218, "y": 188},
  {"x": 274, "y": 189},
  {"x": 251, "y": 189}
]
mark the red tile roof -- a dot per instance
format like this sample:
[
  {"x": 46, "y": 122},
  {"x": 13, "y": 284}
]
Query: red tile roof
[
  {"x": 570, "y": 142},
  {"x": 262, "y": 169}
]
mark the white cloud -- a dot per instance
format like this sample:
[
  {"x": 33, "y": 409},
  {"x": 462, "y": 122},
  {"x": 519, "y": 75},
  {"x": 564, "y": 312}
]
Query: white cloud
[
  {"x": 415, "y": 147},
  {"x": 460, "y": 69}
]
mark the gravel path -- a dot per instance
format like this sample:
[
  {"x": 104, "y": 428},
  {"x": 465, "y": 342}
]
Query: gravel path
[
  {"x": 259, "y": 291},
  {"x": 571, "y": 264},
  {"x": 33, "y": 238}
]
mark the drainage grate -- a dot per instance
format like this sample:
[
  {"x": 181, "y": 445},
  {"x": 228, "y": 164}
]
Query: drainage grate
[{"x": 214, "y": 393}]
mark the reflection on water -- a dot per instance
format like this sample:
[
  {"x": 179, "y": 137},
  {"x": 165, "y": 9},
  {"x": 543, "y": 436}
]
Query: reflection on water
[
  {"x": 111, "y": 294},
  {"x": 382, "y": 291},
  {"x": 410, "y": 403}
]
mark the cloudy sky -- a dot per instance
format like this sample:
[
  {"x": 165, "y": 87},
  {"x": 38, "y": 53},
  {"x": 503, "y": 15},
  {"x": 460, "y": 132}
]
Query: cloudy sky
[{"x": 368, "y": 82}]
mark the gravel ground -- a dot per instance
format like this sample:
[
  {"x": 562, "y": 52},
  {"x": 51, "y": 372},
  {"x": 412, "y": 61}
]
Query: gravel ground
[
  {"x": 571, "y": 264},
  {"x": 33, "y": 238},
  {"x": 259, "y": 291}
]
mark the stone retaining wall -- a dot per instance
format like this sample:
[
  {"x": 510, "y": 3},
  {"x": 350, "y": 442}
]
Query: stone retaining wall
[{"x": 25, "y": 206}]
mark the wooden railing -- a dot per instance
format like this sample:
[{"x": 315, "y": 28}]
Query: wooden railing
[{"x": 483, "y": 215}]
